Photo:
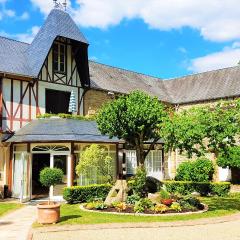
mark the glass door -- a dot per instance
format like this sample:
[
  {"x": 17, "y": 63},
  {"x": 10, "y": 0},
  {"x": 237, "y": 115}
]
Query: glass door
[
  {"x": 21, "y": 176},
  {"x": 60, "y": 161}
]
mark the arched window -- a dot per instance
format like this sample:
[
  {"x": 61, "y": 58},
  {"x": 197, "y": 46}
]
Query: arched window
[{"x": 50, "y": 148}]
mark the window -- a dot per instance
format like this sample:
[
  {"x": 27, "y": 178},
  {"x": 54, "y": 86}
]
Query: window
[
  {"x": 59, "y": 57},
  {"x": 57, "y": 101},
  {"x": 153, "y": 162}
]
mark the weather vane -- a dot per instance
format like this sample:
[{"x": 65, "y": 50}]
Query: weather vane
[{"x": 62, "y": 5}]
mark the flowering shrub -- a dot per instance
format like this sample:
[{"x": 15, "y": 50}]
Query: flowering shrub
[
  {"x": 160, "y": 208},
  {"x": 176, "y": 207}
]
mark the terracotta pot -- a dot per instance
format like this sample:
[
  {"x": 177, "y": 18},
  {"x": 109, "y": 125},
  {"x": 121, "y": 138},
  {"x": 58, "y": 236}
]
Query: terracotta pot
[
  {"x": 167, "y": 202},
  {"x": 48, "y": 213}
]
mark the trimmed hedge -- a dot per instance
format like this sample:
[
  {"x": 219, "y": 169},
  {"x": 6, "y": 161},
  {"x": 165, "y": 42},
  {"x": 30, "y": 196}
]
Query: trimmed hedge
[
  {"x": 204, "y": 188},
  {"x": 79, "y": 194}
]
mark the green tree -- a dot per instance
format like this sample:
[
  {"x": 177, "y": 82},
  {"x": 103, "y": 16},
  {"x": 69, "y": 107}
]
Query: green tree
[
  {"x": 206, "y": 129},
  {"x": 95, "y": 158},
  {"x": 137, "y": 118}
]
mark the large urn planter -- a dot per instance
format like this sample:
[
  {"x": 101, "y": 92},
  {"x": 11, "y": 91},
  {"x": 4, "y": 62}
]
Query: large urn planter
[{"x": 48, "y": 213}]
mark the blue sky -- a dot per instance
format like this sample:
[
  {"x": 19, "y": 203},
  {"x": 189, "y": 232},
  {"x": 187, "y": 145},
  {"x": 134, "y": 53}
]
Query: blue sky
[{"x": 167, "y": 40}]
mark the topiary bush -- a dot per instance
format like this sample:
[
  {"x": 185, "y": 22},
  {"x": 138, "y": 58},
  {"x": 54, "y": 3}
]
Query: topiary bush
[
  {"x": 204, "y": 188},
  {"x": 50, "y": 177},
  {"x": 79, "y": 194},
  {"x": 200, "y": 170}
]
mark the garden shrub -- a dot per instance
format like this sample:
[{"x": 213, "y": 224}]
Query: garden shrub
[
  {"x": 137, "y": 184},
  {"x": 132, "y": 199},
  {"x": 98, "y": 205},
  {"x": 200, "y": 170},
  {"x": 79, "y": 194},
  {"x": 220, "y": 189},
  {"x": 164, "y": 194},
  {"x": 142, "y": 204},
  {"x": 204, "y": 188},
  {"x": 160, "y": 208},
  {"x": 176, "y": 207}
]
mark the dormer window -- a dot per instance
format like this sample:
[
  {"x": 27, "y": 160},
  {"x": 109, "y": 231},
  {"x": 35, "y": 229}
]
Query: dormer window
[{"x": 59, "y": 51}]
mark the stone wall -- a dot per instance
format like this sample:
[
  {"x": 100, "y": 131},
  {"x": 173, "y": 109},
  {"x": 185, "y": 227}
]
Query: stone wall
[{"x": 94, "y": 99}]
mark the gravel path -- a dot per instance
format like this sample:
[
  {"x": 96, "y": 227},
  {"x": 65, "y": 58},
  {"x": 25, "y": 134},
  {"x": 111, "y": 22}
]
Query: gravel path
[{"x": 212, "y": 229}]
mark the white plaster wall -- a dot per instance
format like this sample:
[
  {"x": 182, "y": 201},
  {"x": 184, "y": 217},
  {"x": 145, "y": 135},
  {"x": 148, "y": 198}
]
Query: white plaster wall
[{"x": 224, "y": 174}]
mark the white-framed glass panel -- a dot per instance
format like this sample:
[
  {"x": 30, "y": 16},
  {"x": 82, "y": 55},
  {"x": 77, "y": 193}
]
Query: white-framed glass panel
[
  {"x": 153, "y": 162},
  {"x": 21, "y": 176},
  {"x": 131, "y": 160},
  {"x": 92, "y": 177},
  {"x": 2, "y": 164}
]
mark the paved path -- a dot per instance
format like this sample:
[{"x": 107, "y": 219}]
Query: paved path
[
  {"x": 224, "y": 228},
  {"x": 16, "y": 225}
]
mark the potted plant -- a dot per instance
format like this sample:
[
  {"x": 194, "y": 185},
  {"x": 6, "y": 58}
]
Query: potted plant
[{"x": 49, "y": 212}]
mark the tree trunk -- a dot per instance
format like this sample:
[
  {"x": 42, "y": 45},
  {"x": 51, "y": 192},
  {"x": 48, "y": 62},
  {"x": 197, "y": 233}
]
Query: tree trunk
[
  {"x": 140, "y": 155},
  {"x": 216, "y": 171}
]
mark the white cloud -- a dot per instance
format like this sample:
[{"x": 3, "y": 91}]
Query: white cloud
[
  {"x": 29, "y": 36},
  {"x": 229, "y": 56},
  {"x": 23, "y": 37},
  {"x": 9, "y": 13},
  {"x": 182, "y": 50},
  {"x": 24, "y": 16},
  {"x": 216, "y": 20},
  {"x": 46, "y": 6}
]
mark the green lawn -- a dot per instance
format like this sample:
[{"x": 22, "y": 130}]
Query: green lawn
[
  {"x": 8, "y": 207},
  {"x": 218, "y": 206}
]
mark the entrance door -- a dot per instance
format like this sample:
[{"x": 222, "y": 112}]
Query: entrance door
[
  {"x": 21, "y": 176},
  {"x": 39, "y": 162},
  {"x": 60, "y": 161}
]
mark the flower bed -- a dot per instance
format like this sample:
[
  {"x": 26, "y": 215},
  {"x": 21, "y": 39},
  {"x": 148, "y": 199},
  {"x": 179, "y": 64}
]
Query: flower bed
[
  {"x": 145, "y": 206},
  {"x": 130, "y": 211}
]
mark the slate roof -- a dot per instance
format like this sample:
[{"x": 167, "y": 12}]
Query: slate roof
[
  {"x": 123, "y": 81},
  {"x": 216, "y": 84},
  {"x": 55, "y": 129},
  {"x": 27, "y": 60}
]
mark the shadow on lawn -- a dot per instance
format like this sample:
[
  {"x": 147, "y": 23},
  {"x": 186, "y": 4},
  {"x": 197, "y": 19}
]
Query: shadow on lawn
[
  {"x": 224, "y": 203},
  {"x": 68, "y": 217}
]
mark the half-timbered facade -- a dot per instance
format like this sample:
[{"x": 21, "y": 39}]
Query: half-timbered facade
[{"x": 38, "y": 78}]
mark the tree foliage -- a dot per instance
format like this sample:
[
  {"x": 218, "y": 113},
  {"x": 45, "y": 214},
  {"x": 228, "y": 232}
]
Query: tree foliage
[
  {"x": 199, "y": 130},
  {"x": 51, "y": 176},
  {"x": 231, "y": 158},
  {"x": 137, "y": 118},
  {"x": 95, "y": 159}
]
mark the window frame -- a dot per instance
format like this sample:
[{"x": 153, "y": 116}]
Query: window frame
[{"x": 58, "y": 45}]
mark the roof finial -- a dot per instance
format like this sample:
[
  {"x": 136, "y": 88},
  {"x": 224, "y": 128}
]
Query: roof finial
[
  {"x": 59, "y": 5},
  {"x": 65, "y": 5}
]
